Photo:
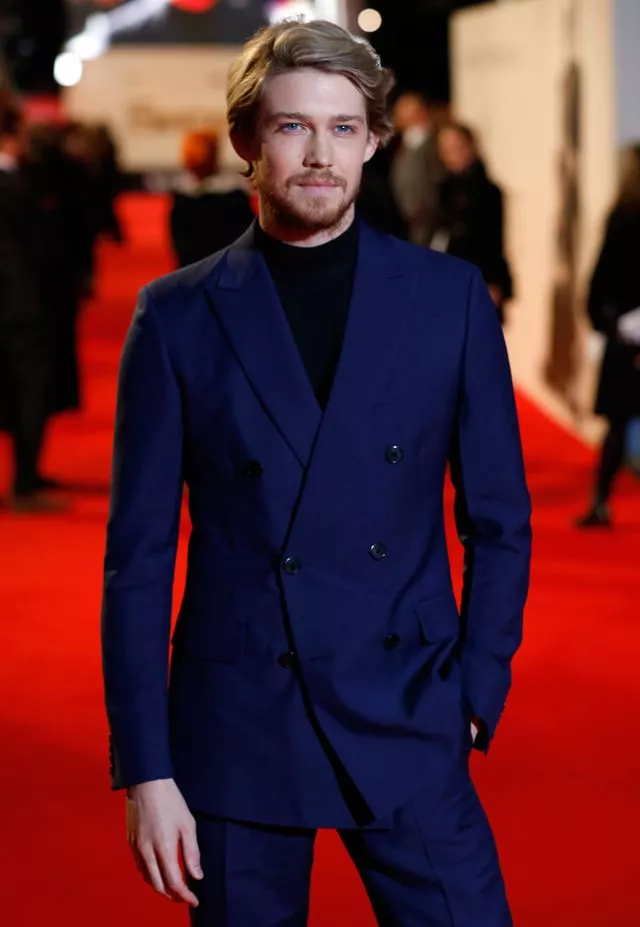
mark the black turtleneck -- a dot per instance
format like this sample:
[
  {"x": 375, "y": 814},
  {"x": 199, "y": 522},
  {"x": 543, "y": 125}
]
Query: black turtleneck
[{"x": 314, "y": 286}]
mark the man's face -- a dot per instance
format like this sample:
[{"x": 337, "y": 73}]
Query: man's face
[
  {"x": 311, "y": 141},
  {"x": 410, "y": 111}
]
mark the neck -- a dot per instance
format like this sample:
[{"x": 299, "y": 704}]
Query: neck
[{"x": 273, "y": 225}]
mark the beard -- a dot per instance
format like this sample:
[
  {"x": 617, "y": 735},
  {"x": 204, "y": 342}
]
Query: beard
[{"x": 296, "y": 208}]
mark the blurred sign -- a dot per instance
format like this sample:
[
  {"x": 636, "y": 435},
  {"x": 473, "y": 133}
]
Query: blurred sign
[
  {"x": 102, "y": 23},
  {"x": 151, "y": 96}
]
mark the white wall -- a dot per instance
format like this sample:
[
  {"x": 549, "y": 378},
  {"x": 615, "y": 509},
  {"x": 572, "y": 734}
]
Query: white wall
[
  {"x": 508, "y": 62},
  {"x": 151, "y": 96}
]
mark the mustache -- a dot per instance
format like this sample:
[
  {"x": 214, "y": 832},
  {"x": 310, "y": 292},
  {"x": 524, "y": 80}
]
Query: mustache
[{"x": 317, "y": 177}]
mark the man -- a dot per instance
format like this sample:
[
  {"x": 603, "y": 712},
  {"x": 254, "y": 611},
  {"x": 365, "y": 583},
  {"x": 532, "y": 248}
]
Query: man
[
  {"x": 416, "y": 169},
  {"x": 24, "y": 366},
  {"x": 310, "y": 384}
]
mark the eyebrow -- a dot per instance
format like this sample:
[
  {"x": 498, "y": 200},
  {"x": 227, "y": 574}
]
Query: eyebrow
[{"x": 303, "y": 117}]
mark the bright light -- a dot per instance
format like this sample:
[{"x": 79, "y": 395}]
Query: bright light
[
  {"x": 87, "y": 45},
  {"x": 67, "y": 69},
  {"x": 369, "y": 20},
  {"x": 290, "y": 9}
]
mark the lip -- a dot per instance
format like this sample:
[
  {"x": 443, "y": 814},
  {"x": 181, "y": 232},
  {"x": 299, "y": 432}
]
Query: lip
[{"x": 319, "y": 186}]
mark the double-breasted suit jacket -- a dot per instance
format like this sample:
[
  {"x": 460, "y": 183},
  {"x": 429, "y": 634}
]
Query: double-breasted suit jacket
[{"x": 318, "y": 633}]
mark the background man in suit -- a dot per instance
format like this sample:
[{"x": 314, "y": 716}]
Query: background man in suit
[
  {"x": 310, "y": 384},
  {"x": 24, "y": 361},
  {"x": 416, "y": 170}
]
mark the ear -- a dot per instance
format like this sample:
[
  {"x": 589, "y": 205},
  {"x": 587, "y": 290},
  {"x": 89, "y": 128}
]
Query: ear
[
  {"x": 373, "y": 142},
  {"x": 244, "y": 147}
]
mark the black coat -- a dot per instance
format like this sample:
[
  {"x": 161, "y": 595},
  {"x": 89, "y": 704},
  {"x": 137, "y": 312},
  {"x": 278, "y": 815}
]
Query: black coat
[
  {"x": 470, "y": 211},
  {"x": 615, "y": 290},
  {"x": 204, "y": 222},
  {"x": 376, "y": 203},
  {"x": 24, "y": 357},
  {"x": 67, "y": 229}
]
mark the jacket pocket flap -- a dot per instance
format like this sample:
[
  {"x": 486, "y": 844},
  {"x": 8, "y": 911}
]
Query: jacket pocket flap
[{"x": 438, "y": 617}]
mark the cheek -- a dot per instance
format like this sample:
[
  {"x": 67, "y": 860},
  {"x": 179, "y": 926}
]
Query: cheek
[
  {"x": 352, "y": 161},
  {"x": 280, "y": 158}
]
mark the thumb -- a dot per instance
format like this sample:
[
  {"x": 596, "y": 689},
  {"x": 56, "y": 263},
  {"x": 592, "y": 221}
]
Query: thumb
[{"x": 191, "y": 852}]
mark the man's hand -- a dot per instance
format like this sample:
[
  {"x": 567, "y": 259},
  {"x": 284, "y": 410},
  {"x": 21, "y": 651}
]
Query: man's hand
[{"x": 160, "y": 829}]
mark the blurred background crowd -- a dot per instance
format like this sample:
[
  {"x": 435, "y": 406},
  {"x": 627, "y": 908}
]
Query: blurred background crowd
[
  {"x": 58, "y": 187},
  {"x": 60, "y": 180}
]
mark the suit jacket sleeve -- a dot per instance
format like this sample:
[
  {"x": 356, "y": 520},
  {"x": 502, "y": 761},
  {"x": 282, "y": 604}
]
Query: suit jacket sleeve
[
  {"x": 492, "y": 511},
  {"x": 140, "y": 556}
]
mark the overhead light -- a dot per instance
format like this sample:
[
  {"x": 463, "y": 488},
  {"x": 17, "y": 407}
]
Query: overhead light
[
  {"x": 278, "y": 10},
  {"x": 369, "y": 20},
  {"x": 67, "y": 69},
  {"x": 88, "y": 45}
]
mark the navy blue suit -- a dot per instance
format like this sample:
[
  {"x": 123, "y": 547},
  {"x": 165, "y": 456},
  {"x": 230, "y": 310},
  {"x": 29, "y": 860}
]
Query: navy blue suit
[{"x": 318, "y": 641}]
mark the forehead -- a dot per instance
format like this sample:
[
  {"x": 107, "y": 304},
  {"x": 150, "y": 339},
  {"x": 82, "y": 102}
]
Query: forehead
[
  {"x": 409, "y": 105},
  {"x": 453, "y": 137},
  {"x": 313, "y": 92}
]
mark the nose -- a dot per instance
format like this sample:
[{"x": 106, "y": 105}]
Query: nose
[{"x": 319, "y": 151}]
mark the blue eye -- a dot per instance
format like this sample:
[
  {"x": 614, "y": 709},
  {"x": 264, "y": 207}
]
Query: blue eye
[
  {"x": 345, "y": 130},
  {"x": 290, "y": 126}
]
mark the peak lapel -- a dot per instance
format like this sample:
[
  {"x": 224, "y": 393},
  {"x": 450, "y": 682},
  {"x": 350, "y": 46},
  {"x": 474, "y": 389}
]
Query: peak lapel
[
  {"x": 247, "y": 305},
  {"x": 380, "y": 306}
]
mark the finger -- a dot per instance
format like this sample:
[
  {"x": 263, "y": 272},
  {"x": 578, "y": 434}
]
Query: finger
[
  {"x": 155, "y": 875},
  {"x": 173, "y": 878},
  {"x": 141, "y": 866},
  {"x": 191, "y": 851}
]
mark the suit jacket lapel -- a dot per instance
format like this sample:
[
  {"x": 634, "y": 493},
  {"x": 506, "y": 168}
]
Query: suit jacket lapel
[
  {"x": 380, "y": 305},
  {"x": 247, "y": 305}
]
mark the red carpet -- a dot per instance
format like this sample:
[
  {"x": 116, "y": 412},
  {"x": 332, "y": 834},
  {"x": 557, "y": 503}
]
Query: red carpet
[{"x": 561, "y": 783}]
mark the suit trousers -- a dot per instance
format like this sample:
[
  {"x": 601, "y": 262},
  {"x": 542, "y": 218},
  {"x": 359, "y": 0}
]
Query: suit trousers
[
  {"x": 25, "y": 383},
  {"x": 433, "y": 863}
]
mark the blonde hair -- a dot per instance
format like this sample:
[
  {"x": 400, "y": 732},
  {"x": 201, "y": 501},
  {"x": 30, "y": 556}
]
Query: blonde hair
[
  {"x": 629, "y": 189},
  {"x": 291, "y": 45}
]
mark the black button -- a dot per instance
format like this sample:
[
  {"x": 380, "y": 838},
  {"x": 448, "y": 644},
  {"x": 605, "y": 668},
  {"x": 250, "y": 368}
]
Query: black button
[
  {"x": 378, "y": 551},
  {"x": 394, "y": 454},
  {"x": 391, "y": 641},
  {"x": 252, "y": 470},
  {"x": 287, "y": 660},
  {"x": 291, "y": 565}
]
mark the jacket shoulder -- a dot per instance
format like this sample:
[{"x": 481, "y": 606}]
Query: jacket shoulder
[
  {"x": 186, "y": 281},
  {"x": 435, "y": 264}
]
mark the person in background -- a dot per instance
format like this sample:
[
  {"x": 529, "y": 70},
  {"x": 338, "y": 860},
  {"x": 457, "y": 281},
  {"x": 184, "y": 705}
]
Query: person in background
[
  {"x": 80, "y": 192},
  {"x": 62, "y": 190},
  {"x": 212, "y": 208},
  {"x": 416, "y": 168},
  {"x": 614, "y": 293},
  {"x": 470, "y": 213},
  {"x": 24, "y": 367},
  {"x": 376, "y": 203},
  {"x": 110, "y": 182}
]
